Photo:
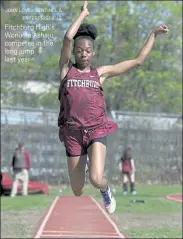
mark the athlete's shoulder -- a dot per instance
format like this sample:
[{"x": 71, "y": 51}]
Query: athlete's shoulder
[
  {"x": 94, "y": 70},
  {"x": 66, "y": 71},
  {"x": 100, "y": 70}
]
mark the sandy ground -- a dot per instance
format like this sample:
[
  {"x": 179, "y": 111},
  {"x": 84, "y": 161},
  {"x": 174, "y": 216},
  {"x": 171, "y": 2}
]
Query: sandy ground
[{"x": 19, "y": 224}]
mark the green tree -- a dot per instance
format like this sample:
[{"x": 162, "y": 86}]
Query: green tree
[{"x": 123, "y": 28}]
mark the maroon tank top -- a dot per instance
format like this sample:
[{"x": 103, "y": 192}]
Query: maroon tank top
[
  {"x": 126, "y": 166},
  {"x": 82, "y": 102}
]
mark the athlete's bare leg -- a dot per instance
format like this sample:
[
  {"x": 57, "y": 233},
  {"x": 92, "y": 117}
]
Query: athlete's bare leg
[
  {"x": 125, "y": 178},
  {"x": 132, "y": 183},
  {"x": 125, "y": 183},
  {"x": 97, "y": 157},
  {"x": 76, "y": 169}
]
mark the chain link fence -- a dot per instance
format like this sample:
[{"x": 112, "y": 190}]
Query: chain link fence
[{"x": 156, "y": 141}]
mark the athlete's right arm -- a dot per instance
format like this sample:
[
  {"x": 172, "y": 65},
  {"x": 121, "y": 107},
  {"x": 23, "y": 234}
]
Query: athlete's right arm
[
  {"x": 66, "y": 49},
  {"x": 133, "y": 165}
]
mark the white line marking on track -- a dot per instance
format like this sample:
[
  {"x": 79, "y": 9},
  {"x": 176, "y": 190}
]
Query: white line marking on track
[
  {"x": 39, "y": 232},
  {"x": 79, "y": 232},
  {"x": 78, "y": 236},
  {"x": 108, "y": 218}
]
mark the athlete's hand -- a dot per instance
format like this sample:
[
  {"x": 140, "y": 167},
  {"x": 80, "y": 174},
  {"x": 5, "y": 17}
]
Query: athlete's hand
[
  {"x": 162, "y": 29},
  {"x": 84, "y": 8}
]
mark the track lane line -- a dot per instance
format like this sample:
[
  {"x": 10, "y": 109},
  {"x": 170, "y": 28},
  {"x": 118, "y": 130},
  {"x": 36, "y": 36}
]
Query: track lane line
[
  {"x": 108, "y": 218},
  {"x": 79, "y": 236},
  {"x": 82, "y": 232},
  {"x": 43, "y": 224}
]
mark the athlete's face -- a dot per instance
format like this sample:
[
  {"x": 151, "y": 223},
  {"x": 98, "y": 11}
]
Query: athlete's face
[{"x": 83, "y": 52}]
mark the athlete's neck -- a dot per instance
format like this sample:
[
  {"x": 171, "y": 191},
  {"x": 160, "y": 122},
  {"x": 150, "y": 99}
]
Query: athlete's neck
[{"x": 81, "y": 69}]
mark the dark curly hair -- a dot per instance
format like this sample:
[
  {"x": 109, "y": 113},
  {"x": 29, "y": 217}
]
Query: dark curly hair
[
  {"x": 127, "y": 154},
  {"x": 88, "y": 31}
]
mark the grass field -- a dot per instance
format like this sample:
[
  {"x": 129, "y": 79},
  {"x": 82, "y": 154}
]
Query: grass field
[{"x": 156, "y": 218}]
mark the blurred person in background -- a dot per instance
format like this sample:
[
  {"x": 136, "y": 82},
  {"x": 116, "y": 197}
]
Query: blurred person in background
[
  {"x": 21, "y": 164},
  {"x": 127, "y": 168},
  {"x": 83, "y": 121}
]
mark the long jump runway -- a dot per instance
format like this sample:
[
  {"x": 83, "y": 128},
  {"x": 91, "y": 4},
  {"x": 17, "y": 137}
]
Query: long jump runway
[{"x": 77, "y": 217}]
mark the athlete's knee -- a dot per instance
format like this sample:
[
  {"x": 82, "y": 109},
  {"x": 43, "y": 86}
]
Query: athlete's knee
[
  {"x": 125, "y": 179},
  {"x": 96, "y": 180},
  {"x": 77, "y": 190},
  {"x": 77, "y": 193}
]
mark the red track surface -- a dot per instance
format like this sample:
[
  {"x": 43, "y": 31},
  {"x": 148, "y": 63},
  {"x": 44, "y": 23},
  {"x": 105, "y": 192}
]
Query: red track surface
[
  {"x": 77, "y": 217},
  {"x": 175, "y": 197}
]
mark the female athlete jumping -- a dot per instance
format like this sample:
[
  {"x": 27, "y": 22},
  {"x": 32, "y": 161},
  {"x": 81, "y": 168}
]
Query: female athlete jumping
[{"x": 83, "y": 120}]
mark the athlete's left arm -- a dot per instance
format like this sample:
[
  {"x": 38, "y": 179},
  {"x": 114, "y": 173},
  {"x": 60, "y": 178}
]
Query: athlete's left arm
[
  {"x": 122, "y": 67},
  {"x": 133, "y": 165}
]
